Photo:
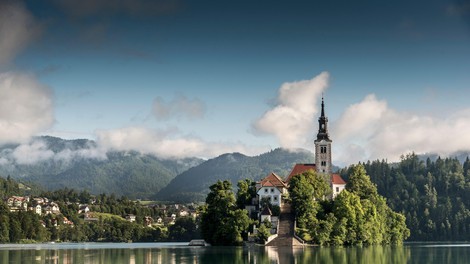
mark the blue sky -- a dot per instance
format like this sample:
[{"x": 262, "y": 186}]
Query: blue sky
[{"x": 183, "y": 78}]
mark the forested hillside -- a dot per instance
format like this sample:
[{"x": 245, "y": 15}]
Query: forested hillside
[
  {"x": 193, "y": 184},
  {"x": 70, "y": 163},
  {"x": 433, "y": 195}
]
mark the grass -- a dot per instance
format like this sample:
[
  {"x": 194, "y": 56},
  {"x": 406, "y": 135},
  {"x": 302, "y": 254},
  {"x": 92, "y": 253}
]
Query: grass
[{"x": 106, "y": 216}]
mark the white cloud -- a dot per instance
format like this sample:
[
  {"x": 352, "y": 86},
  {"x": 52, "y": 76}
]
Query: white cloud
[
  {"x": 26, "y": 107},
  {"x": 36, "y": 150},
  {"x": 17, "y": 29},
  {"x": 166, "y": 144},
  {"x": 31, "y": 153},
  {"x": 179, "y": 107},
  {"x": 359, "y": 119},
  {"x": 291, "y": 120},
  {"x": 372, "y": 130}
]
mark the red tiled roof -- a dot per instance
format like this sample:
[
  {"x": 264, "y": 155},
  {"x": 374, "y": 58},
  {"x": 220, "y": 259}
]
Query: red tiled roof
[
  {"x": 267, "y": 184},
  {"x": 300, "y": 168},
  {"x": 273, "y": 180},
  {"x": 336, "y": 179}
]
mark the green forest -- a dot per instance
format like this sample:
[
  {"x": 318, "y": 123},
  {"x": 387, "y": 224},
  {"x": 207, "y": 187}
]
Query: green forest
[{"x": 434, "y": 196}]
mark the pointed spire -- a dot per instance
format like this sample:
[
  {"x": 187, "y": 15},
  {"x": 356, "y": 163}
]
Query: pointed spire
[{"x": 322, "y": 123}]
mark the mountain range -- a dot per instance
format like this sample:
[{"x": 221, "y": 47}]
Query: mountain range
[
  {"x": 55, "y": 163},
  {"x": 59, "y": 163}
]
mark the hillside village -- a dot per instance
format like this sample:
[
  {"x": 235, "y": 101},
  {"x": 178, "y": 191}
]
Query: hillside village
[
  {"x": 67, "y": 215},
  {"x": 167, "y": 214}
]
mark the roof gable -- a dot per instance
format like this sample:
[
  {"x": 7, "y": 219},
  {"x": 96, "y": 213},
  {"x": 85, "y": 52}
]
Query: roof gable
[
  {"x": 300, "y": 168},
  {"x": 337, "y": 179},
  {"x": 272, "y": 180}
]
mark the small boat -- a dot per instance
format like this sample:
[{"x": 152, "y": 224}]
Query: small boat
[{"x": 198, "y": 243}]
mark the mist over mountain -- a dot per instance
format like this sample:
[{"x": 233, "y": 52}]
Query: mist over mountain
[
  {"x": 193, "y": 184},
  {"x": 55, "y": 163}
]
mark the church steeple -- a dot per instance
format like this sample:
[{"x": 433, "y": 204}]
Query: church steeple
[
  {"x": 323, "y": 143},
  {"x": 323, "y": 123}
]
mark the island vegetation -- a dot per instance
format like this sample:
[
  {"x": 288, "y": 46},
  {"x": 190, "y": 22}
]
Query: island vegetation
[{"x": 358, "y": 215}]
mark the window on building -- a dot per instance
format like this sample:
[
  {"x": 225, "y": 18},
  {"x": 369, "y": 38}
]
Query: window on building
[
  {"x": 323, "y": 163},
  {"x": 272, "y": 190},
  {"x": 337, "y": 189},
  {"x": 265, "y": 190},
  {"x": 275, "y": 198}
]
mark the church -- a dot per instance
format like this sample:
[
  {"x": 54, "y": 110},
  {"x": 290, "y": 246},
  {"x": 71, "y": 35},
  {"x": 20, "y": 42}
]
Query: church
[{"x": 272, "y": 187}]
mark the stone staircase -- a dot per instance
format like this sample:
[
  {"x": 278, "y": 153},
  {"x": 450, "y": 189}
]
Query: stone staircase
[{"x": 285, "y": 232}]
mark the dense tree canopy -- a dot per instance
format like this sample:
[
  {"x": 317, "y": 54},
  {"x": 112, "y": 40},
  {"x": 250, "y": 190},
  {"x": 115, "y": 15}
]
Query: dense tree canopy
[
  {"x": 222, "y": 223},
  {"x": 357, "y": 215},
  {"x": 433, "y": 195}
]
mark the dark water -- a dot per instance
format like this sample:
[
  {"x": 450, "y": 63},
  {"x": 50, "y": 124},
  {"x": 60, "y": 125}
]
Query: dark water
[{"x": 180, "y": 253}]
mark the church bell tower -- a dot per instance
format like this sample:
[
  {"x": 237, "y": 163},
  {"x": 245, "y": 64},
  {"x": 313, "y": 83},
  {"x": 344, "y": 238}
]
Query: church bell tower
[{"x": 323, "y": 144}]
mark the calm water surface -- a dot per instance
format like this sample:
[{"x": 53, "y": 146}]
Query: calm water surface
[{"x": 180, "y": 253}]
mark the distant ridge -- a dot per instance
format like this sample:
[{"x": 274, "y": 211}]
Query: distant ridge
[{"x": 193, "y": 184}]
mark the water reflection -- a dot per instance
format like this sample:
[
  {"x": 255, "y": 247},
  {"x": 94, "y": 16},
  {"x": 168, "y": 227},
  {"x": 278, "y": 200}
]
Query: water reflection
[{"x": 154, "y": 253}]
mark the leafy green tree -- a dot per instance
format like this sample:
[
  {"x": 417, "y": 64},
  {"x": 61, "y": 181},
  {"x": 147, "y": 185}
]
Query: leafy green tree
[
  {"x": 359, "y": 183},
  {"x": 221, "y": 222},
  {"x": 15, "y": 231},
  {"x": 303, "y": 194},
  {"x": 348, "y": 207},
  {"x": 4, "y": 229},
  {"x": 246, "y": 192},
  {"x": 263, "y": 234},
  {"x": 184, "y": 229},
  {"x": 323, "y": 229}
]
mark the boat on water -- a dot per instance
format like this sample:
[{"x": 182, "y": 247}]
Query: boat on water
[{"x": 198, "y": 243}]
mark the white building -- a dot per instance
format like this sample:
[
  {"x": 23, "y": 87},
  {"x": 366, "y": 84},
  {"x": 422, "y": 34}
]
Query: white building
[{"x": 272, "y": 187}]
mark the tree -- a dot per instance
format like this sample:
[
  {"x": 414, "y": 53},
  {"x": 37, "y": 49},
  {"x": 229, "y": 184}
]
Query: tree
[
  {"x": 359, "y": 183},
  {"x": 4, "y": 229},
  {"x": 184, "y": 229},
  {"x": 348, "y": 207},
  {"x": 263, "y": 234},
  {"x": 246, "y": 192},
  {"x": 322, "y": 231},
  {"x": 305, "y": 190},
  {"x": 221, "y": 222}
]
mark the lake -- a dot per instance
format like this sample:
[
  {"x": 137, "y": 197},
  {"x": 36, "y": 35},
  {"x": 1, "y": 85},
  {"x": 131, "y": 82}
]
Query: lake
[{"x": 181, "y": 253}]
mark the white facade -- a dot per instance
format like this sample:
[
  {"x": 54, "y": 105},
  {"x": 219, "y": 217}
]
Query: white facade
[
  {"x": 271, "y": 193},
  {"x": 38, "y": 209},
  {"x": 337, "y": 189}
]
